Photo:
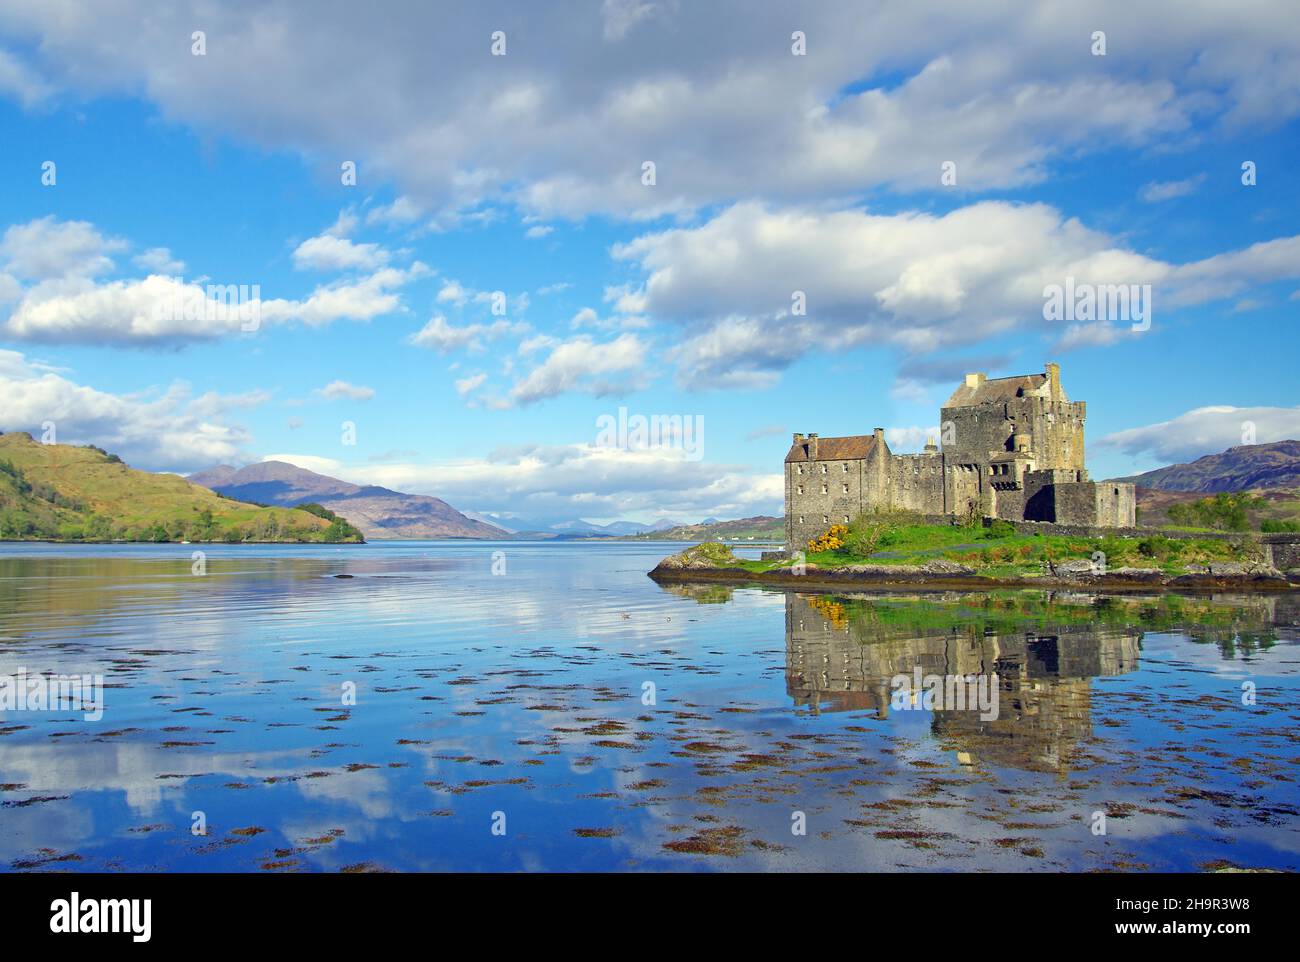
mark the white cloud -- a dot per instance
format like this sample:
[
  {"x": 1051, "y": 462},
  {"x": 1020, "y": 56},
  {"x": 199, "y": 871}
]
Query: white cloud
[
  {"x": 19, "y": 81},
  {"x": 885, "y": 95},
  {"x": 453, "y": 292},
  {"x": 328, "y": 252},
  {"x": 1207, "y": 430},
  {"x": 50, "y": 248},
  {"x": 581, "y": 364},
  {"x": 1157, "y": 191},
  {"x": 158, "y": 260},
  {"x": 342, "y": 390},
  {"x": 357, "y": 300},
  {"x": 67, "y": 303},
  {"x": 917, "y": 282},
  {"x": 167, "y": 430},
  {"x": 576, "y": 480},
  {"x": 910, "y": 439},
  {"x": 466, "y": 385},
  {"x": 538, "y": 231},
  {"x": 442, "y": 336}
]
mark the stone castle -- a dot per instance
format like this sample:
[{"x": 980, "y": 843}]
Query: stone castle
[{"x": 1012, "y": 449}]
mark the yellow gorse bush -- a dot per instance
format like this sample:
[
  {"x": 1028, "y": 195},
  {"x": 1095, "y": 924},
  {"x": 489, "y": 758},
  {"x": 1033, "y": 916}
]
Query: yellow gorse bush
[{"x": 832, "y": 540}]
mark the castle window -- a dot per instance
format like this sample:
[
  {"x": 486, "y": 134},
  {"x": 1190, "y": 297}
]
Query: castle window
[
  {"x": 846, "y": 519},
  {"x": 824, "y": 487},
  {"x": 845, "y": 486},
  {"x": 799, "y": 468},
  {"x": 823, "y": 469},
  {"x": 826, "y": 519},
  {"x": 801, "y": 519},
  {"x": 798, "y": 489}
]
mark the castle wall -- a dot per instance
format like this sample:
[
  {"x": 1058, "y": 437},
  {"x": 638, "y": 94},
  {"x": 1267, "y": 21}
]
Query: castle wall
[
  {"x": 1116, "y": 504},
  {"x": 916, "y": 483},
  {"x": 822, "y": 493}
]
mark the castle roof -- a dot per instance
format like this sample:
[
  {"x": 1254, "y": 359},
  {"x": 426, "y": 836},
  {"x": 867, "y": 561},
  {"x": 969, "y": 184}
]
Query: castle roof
[
  {"x": 978, "y": 389},
  {"x": 852, "y": 448}
]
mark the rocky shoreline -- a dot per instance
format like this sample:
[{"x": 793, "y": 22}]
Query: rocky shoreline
[{"x": 695, "y": 565}]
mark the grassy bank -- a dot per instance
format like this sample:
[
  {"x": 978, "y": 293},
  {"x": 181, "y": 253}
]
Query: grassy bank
[
  {"x": 60, "y": 492},
  {"x": 997, "y": 551}
]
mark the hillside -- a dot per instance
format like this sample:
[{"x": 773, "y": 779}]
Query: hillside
[
  {"x": 1244, "y": 468},
  {"x": 378, "y": 512},
  {"x": 1263, "y": 509},
  {"x": 60, "y": 492},
  {"x": 760, "y": 528}
]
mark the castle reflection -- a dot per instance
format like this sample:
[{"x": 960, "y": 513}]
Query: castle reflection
[{"x": 842, "y": 653}]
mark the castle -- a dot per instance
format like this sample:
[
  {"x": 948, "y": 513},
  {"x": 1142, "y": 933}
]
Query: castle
[{"x": 1012, "y": 449}]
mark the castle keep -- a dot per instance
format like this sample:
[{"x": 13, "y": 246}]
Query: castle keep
[{"x": 1012, "y": 449}]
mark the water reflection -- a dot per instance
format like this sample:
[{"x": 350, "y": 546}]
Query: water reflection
[
  {"x": 527, "y": 693},
  {"x": 841, "y": 655}
]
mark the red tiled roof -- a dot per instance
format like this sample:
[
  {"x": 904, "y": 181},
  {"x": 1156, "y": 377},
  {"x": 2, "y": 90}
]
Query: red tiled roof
[{"x": 852, "y": 448}]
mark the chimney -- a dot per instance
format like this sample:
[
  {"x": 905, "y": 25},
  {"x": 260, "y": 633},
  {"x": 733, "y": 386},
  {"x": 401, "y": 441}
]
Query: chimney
[
  {"x": 812, "y": 446},
  {"x": 798, "y": 438},
  {"x": 975, "y": 380},
  {"x": 1053, "y": 379},
  {"x": 879, "y": 435}
]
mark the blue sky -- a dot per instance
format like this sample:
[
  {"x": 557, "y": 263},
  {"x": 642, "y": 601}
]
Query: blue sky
[{"x": 523, "y": 174}]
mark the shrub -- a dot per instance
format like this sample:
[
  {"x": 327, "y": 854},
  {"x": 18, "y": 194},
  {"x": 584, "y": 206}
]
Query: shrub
[
  {"x": 998, "y": 528},
  {"x": 832, "y": 540},
  {"x": 1279, "y": 527}
]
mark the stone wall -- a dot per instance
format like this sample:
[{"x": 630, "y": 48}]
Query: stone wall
[{"x": 916, "y": 482}]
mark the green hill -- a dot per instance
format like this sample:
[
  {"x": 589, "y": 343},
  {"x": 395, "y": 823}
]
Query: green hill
[{"x": 59, "y": 492}]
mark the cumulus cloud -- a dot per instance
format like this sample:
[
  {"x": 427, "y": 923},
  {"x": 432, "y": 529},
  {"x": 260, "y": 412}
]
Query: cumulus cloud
[
  {"x": 167, "y": 430},
  {"x": 576, "y": 480},
  {"x": 917, "y": 282},
  {"x": 158, "y": 260},
  {"x": 582, "y": 364},
  {"x": 342, "y": 390},
  {"x": 885, "y": 95},
  {"x": 50, "y": 248},
  {"x": 167, "y": 310},
  {"x": 329, "y": 252},
  {"x": 1206, "y": 430},
  {"x": 441, "y": 335},
  {"x": 66, "y": 300}
]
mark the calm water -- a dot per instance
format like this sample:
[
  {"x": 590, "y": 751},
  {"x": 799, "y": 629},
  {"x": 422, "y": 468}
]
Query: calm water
[{"x": 599, "y": 721}]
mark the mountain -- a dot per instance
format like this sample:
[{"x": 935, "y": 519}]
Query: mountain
[
  {"x": 60, "y": 492},
  {"x": 1243, "y": 468},
  {"x": 378, "y": 512},
  {"x": 760, "y": 528},
  {"x": 542, "y": 529}
]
